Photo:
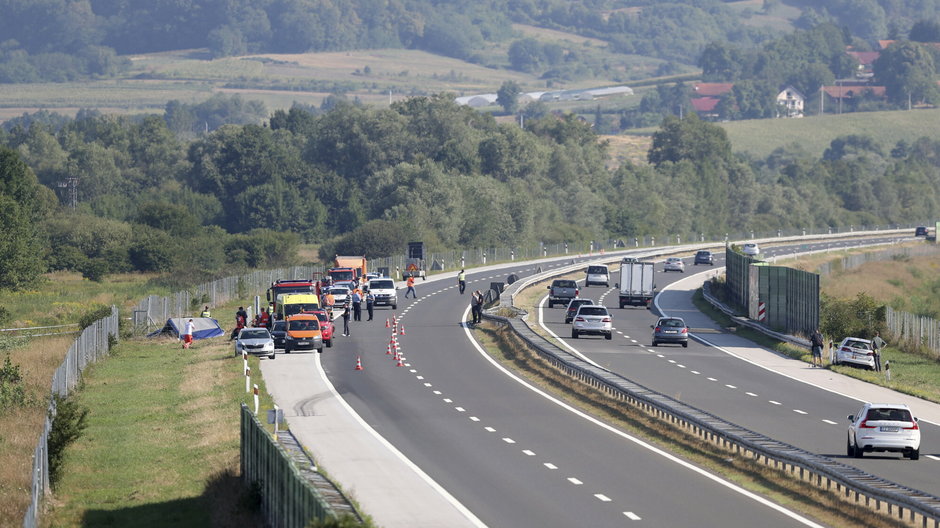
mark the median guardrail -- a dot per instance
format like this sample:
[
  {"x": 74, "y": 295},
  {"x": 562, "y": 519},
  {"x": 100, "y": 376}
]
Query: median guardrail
[{"x": 849, "y": 483}]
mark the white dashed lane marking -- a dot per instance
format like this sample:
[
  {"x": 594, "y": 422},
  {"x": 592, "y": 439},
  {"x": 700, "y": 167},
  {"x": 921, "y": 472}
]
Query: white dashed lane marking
[
  {"x": 528, "y": 452},
  {"x": 490, "y": 429},
  {"x": 549, "y": 465},
  {"x": 632, "y": 516},
  {"x": 509, "y": 440},
  {"x": 774, "y": 402},
  {"x": 575, "y": 481},
  {"x": 601, "y": 497},
  {"x": 799, "y": 411},
  {"x": 830, "y": 422}
]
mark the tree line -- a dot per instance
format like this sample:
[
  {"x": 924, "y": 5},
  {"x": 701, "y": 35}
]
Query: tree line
[{"x": 357, "y": 179}]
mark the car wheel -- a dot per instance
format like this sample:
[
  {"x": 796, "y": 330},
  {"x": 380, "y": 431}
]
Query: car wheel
[
  {"x": 858, "y": 451},
  {"x": 849, "y": 448},
  {"x": 271, "y": 356},
  {"x": 915, "y": 454},
  {"x": 608, "y": 336},
  {"x": 286, "y": 350},
  {"x": 685, "y": 344},
  {"x": 394, "y": 307},
  {"x": 574, "y": 334},
  {"x": 329, "y": 343},
  {"x": 655, "y": 343},
  {"x": 320, "y": 350},
  {"x": 549, "y": 304}
]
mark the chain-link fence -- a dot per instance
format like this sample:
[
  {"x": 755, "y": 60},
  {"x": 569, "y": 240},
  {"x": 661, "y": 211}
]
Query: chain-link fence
[
  {"x": 847, "y": 262},
  {"x": 93, "y": 343},
  {"x": 922, "y": 332}
]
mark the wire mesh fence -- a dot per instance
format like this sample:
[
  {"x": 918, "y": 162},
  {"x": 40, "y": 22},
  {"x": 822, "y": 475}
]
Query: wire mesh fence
[
  {"x": 922, "y": 332},
  {"x": 91, "y": 345}
]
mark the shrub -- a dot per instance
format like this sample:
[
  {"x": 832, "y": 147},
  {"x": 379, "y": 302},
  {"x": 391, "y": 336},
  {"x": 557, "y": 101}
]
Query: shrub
[
  {"x": 12, "y": 391},
  {"x": 89, "y": 318},
  {"x": 68, "y": 424}
]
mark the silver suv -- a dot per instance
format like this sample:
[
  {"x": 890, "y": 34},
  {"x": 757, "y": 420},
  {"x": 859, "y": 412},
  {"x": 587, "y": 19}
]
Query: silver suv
[{"x": 592, "y": 319}]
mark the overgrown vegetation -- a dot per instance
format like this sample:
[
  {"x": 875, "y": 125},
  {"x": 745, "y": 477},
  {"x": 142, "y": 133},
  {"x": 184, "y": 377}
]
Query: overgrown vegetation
[{"x": 13, "y": 391}]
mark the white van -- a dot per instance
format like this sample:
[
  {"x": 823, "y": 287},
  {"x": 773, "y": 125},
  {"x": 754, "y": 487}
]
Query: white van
[
  {"x": 597, "y": 274},
  {"x": 384, "y": 290}
]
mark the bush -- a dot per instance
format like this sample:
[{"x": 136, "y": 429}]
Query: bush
[
  {"x": 88, "y": 318},
  {"x": 68, "y": 424},
  {"x": 12, "y": 391},
  {"x": 345, "y": 521}
]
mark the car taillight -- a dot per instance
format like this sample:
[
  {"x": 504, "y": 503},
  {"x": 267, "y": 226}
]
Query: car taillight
[
  {"x": 581, "y": 319},
  {"x": 685, "y": 330},
  {"x": 913, "y": 427},
  {"x": 864, "y": 425},
  {"x": 657, "y": 329},
  {"x": 845, "y": 349},
  {"x": 577, "y": 292},
  {"x": 605, "y": 320},
  {"x": 870, "y": 354}
]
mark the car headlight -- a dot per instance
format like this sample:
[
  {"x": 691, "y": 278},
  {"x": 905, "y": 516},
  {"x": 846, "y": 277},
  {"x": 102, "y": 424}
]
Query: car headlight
[{"x": 269, "y": 346}]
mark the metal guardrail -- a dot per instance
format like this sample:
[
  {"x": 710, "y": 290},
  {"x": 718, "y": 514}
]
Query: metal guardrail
[
  {"x": 92, "y": 345},
  {"x": 849, "y": 483}
]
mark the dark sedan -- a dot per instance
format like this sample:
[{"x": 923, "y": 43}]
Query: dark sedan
[{"x": 279, "y": 332}]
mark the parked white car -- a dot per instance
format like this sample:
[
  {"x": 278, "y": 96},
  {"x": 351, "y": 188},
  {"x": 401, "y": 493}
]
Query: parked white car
[
  {"x": 592, "y": 319},
  {"x": 751, "y": 249},
  {"x": 855, "y": 351},
  {"x": 883, "y": 427},
  {"x": 674, "y": 264},
  {"x": 255, "y": 341}
]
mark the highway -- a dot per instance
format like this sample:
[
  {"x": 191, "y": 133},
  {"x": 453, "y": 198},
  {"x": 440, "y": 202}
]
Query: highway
[
  {"x": 509, "y": 454},
  {"x": 711, "y": 375}
]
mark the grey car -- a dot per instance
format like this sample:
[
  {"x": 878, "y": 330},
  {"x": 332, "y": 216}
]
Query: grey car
[
  {"x": 671, "y": 330},
  {"x": 704, "y": 257},
  {"x": 573, "y": 306},
  {"x": 279, "y": 332},
  {"x": 256, "y": 341}
]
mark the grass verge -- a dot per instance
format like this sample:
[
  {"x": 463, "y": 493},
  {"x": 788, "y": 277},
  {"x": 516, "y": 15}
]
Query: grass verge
[
  {"x": 162, "y": 442},
  {"x": 825, "y": 508}
]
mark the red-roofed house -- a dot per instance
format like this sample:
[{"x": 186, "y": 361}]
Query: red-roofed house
[
  {"x": 866, "y": 61},
  {"x": 712, "y": 89},
  {"x": 705, "y": 107}
]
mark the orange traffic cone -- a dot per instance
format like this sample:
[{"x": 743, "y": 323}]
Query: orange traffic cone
[
  {"x": 386, "y": 322},
  {"x": 401, "y": 361},
  {"x": 358, "y": 363},
  {"x": 402, "y": 331},
  {"x": 388, "y": 350}
]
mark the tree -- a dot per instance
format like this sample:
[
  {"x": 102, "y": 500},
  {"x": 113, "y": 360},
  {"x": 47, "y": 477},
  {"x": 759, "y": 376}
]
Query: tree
[
  {"x": 907, "y": 71},
  {"x": 688, "y": 139},
  {"x": 508, "y": 96}
]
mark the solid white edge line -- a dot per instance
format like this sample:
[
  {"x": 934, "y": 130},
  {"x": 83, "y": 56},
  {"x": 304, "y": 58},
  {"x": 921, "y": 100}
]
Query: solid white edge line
[
  {"x": 401, "y": 456},
  {"x": 768, "y": 369},
  {"x": 637, "y": 441}
]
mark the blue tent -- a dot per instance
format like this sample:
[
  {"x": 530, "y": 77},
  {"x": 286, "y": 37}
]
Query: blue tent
[{"x": 205, "y": 327}]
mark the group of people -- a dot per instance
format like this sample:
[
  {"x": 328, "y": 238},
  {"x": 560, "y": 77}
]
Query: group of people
[{"x": 817, "y": 342}]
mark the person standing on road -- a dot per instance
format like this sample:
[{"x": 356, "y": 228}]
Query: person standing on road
[
  {"x": 357, "y": 305},
  {"x": 346, "y": 321},
  {"x": 816, "y": 340},
  {"x": 411, "y": 287},
  {"x": 462, "y": 281},
  {"x": 188, "y": 333},
  {"x": 370, "y": 303},
  {"x": 474, "y": 307},
  {"x": 878, "y": 345}
]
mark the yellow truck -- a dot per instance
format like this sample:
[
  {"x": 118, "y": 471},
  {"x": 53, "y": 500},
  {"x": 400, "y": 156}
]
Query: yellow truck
[
  {"x": 295, "y": 303},
  {"x": 348, "y": 268}
]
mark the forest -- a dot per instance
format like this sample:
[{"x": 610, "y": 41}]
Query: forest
[
  {"x": 103, "y": 194},
  {"x": 62, "y": 40}
]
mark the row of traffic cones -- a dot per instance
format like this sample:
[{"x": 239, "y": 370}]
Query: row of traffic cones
[{"x": 393, "y": 349}]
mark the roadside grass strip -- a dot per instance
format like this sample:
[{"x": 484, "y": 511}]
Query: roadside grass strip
[{"x": 162, "y": 443}]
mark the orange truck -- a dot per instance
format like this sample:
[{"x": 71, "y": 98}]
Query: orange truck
[{"x": 341, "y": 262}]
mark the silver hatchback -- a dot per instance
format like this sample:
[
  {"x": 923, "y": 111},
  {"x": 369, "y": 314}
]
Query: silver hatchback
[{"x": 671, "y": 330}]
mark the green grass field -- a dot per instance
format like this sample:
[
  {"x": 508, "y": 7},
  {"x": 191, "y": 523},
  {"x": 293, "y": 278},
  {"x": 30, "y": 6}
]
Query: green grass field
[{"x": 162, "y": 443}]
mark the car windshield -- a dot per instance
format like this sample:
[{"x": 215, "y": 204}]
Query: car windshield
[
  {"x": 672, "y": 323},
  {"x": 595, "y": 270},
  {"x": 894, "y": 415},
  {"x": 565, "y": 284},
  {"x": 255, "y": 334},
  {"x": 858, "y": 344},
  {"x": 592, "y": 310},
  {"x": 674, "y": 259},
  {"x": 304, "y": 324},
  {"x": 704, "y": 253},
  {"x": 575, "y": 304},
  {"x": 381, "y": 285},
  {"x": 322, "y": 316},
  {"x": 280, "y": 326},
  {"x": 339, "y": 291}
]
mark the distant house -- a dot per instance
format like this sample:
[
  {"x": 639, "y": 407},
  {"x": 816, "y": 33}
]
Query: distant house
[
  {"x": 844, "y": 93},
  {"x": 711, "y": 89},
  {"x": 477, "y": 101},
  {"x": 790, "y": 103},
  {"x": 866, "y": 61},
  {"x": 706, "y": 107}
]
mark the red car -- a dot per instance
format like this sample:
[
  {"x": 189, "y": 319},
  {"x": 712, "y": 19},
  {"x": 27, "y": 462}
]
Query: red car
[{"x": 326, "y": 326}]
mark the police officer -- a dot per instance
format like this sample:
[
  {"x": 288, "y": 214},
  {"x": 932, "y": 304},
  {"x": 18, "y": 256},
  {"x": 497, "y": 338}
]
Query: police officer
[
  {"x": 205, "y": 313},
  {"x": 462, "y": 281},
  {"x": 370, "y": 303}
]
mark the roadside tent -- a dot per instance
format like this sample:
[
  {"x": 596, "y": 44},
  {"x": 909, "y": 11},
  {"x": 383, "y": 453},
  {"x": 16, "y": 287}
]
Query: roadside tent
[{"x": 205, "y": 327}]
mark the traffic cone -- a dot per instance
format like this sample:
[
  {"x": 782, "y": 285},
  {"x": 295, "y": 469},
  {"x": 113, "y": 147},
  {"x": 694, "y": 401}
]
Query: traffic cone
[
  {"x": 386, "y": 322},
  {"x": 388, "y": 350},
  {"x": 358, "y": 363},
  {"x": 401, "y": 361},
  {"x": 402, "y": 331}
]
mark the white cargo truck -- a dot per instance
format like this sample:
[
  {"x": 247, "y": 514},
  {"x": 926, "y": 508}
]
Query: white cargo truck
[{"x": 637, "y": 283}]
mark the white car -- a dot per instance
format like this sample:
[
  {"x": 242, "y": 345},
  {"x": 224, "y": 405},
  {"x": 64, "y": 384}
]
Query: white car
[
  {"x": 257, "y": 341},
  {"x": 854, "y": 350},
  {"x": 751, "y": 248},
  {"x": 340, "y": 294},
  {"x": 883, "y": 427},
  {"x": 597, "y": 274},
  {"x": 593, "y": 320},
  {"x": 674, "y": 264}
]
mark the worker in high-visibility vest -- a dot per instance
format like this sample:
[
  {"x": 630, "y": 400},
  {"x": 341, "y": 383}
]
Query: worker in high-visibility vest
[
  {"x": 205, "y": 313},
  {"x": 411, "y": 287},
  {"x": 462, "y": 281}
]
